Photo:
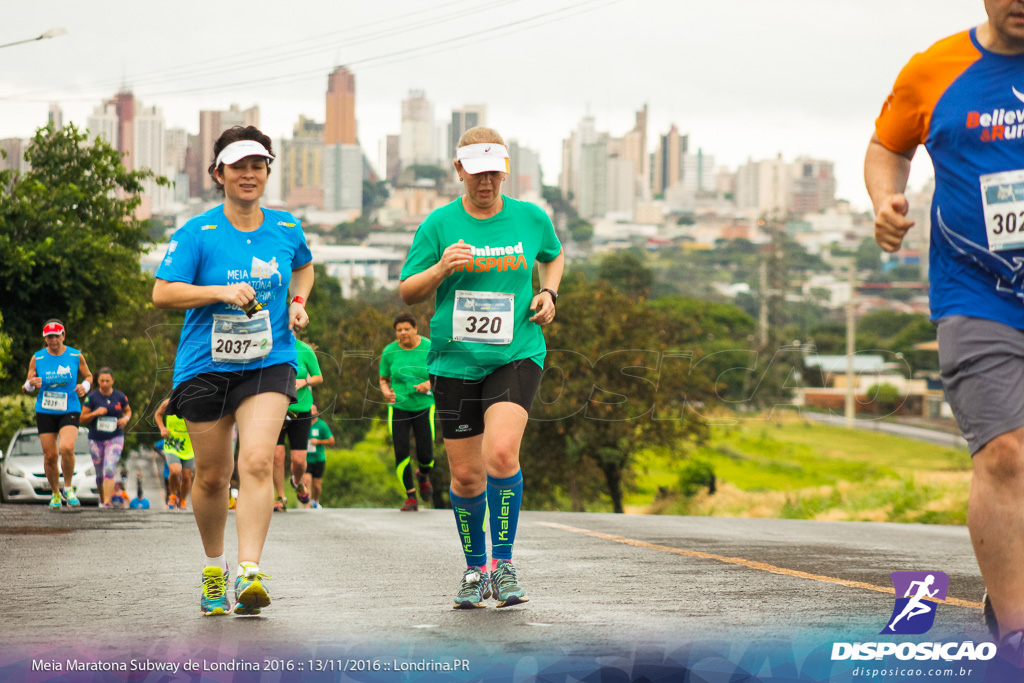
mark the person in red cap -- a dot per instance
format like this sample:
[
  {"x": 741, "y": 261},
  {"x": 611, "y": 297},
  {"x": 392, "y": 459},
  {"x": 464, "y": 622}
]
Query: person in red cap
[{"x": 55, "y": 370}]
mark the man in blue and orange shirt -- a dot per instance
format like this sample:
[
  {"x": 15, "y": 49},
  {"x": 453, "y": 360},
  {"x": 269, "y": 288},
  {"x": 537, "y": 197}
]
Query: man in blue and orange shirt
[{"x": 963, "y": 99}]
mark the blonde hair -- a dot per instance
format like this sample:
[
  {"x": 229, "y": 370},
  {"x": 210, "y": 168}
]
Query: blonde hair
[{"x": 480, "y": 134}]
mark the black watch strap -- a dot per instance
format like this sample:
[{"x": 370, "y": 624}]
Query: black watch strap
[{"x": 553, "y": 293}]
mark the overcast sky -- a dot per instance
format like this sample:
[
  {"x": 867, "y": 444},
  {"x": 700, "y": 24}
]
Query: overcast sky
[{"x": 745, "y": 79}]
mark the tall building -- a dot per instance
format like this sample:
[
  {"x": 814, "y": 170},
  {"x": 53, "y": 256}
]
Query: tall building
[
  {"x": 340, "y": 125},
  {"x": 149, "y": 147},
  {"x": 813, "y": 186},
  {"x": 572, "y": 156},
  {"x": 211, "y": 124},
  {"x": 667, "y": 169},
  {"x": 699, "y": 172},
  {"x": 55, "y": 115},
  {"x": 15, "y": 155},
  {"x": 194, "y": 167},
  {"x": 567, "y": 178},
  {"x": 634, "y": 148},
  {"x": 416, "y": 145},
  {"x": 343, "y": 177},
  {"x": 124, "y": 103},
  {"x": 763, "y": 187},
  {"x": 392, "y": 158},
  {"x": 592, "y": 179},
  {"x": 175, "y": 148},
  {"x": 301, "y": 164},
  {"x": 469, "y": 116},
  {"x": 102, "y": 123},
  {"x": 524, "y": 181}
]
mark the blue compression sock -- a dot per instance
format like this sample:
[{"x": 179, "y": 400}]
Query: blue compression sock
[
  {"x": 470, "y": 515},
  {"x": 504, "y": 498}
]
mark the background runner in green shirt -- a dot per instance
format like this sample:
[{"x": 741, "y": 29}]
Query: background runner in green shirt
[
  {"x": 476, "y": 257},
  {"x": 406, "y": 385},
  {"x": 316, "y": 456},
  {"x": 296, "y": 427}
]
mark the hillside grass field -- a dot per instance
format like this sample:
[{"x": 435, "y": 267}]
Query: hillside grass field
[{"x": 790, "y": 468}]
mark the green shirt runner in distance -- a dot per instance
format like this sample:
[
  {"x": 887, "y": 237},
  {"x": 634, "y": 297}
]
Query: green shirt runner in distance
[
  {"x": 505, "y": 248},
  {"x": 318, "y": 430},
  {"x": 308, "y": 367},
  {"x": 405, "y": 368}
]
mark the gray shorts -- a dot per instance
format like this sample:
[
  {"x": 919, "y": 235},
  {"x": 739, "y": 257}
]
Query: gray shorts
[
  {"x": 171, "y": 458},
  {"x": 982, "y": 365}
]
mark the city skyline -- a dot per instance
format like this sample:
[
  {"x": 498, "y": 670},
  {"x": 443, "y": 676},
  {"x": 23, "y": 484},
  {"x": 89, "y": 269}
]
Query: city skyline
[{"x": 751, "y": 81}]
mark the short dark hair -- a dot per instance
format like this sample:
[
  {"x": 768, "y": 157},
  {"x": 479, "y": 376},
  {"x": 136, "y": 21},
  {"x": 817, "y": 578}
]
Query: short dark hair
[
  {"x": 404, "y": 318},
  {"x": 105, "y": 371},
  {"x": 234, "y": 134}
]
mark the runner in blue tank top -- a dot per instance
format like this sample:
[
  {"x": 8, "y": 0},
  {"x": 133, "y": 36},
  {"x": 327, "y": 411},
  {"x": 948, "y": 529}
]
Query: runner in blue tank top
[{"x": 54, "y": 371}]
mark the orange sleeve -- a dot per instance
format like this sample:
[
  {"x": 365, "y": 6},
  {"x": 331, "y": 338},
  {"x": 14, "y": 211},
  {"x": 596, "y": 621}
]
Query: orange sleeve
[{"x": 906, "y": 115}]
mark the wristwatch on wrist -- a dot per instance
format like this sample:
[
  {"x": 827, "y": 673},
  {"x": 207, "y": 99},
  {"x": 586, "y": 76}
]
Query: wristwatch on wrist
[{"x": 553, "y": 293}]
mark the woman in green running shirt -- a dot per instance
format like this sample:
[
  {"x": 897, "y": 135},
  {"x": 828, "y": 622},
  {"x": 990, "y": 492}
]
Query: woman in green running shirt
[
  {"x": 476, "y": 257},
  {"x": 406, "y": 386}
]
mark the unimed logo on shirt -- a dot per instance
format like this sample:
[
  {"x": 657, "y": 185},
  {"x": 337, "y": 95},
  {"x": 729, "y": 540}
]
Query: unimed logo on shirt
[{"x": 495, "y": 259}]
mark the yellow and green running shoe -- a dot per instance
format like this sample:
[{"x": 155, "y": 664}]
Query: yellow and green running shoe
[
  {"x": 251, "y": 595},
  {"x": 215, "y": 588}
]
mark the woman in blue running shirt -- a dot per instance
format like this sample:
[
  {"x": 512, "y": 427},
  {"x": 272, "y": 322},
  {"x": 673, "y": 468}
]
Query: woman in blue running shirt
[
  {"x": 53, "y": 370},
  {"x": 242, "y": 273}
]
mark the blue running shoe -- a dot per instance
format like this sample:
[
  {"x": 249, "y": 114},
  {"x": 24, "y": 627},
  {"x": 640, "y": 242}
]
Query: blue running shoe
[
  {"x": 215, "y": 589},
  {"x": 251, "y": 595},
  {"x": 55, "y": 501},
  {"x": 475, "y": 588},
  {"x": 506, "y": 588},
  {"x": 72, "y": 497}
]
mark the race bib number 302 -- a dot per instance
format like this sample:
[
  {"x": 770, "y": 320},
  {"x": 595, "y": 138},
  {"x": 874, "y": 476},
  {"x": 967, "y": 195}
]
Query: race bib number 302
[
  {"x": 483, "y": 317},
  {"x": 238, "y": 339},
  {"x": 1002, "y": 198}
]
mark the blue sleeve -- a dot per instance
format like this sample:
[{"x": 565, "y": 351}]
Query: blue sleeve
[
  {"x": 181, "y": 263},
  {"x": 302, "y": 253}
]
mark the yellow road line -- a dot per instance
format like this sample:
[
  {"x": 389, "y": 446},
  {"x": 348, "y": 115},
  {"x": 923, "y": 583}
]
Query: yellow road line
[{"x": 763, "y": 566}]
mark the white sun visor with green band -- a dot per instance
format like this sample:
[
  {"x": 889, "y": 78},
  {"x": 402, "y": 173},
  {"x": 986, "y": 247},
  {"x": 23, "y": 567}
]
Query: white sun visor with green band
[
  {"x": 237, "y": 151},
  {"x": 483, "y": 157}
]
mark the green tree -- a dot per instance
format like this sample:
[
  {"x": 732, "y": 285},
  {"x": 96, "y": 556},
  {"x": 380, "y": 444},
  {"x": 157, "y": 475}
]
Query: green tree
[
  {"x": 557, "y": 201},
  {"x": 869, "y": 255},
  {"x": 69, "y": 240},
  {"x": 627, "y": 272},
  {"x": 430, "y": 172},
  {"x": 619, "y": 378},
  {"x": 581, "y": 230},
  {"x": 353, "y": 232},
  {"x": 374, "y": 195}
]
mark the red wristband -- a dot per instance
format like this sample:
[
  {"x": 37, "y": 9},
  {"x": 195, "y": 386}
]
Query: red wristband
[{"x": 298, "y": 300}]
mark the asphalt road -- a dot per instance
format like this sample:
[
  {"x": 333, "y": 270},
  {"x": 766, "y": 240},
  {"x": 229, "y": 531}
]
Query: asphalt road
[
  {"x": 383, "y": 580},
  {"x": 917, "y": 433}
]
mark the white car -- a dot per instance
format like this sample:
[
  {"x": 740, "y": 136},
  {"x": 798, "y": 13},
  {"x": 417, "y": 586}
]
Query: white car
[{"x": 23, "y": 479}]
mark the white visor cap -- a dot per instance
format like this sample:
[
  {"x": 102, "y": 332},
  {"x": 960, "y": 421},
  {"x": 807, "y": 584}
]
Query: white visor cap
[
  {"x": 483, "y": 157},
  {"x": 237, "y": 151}
]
